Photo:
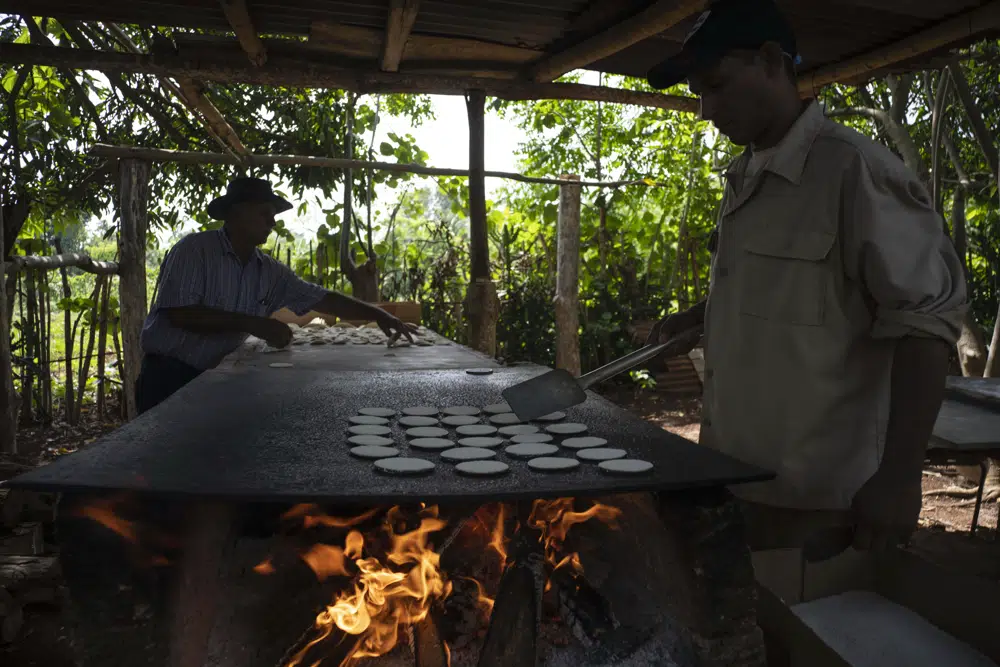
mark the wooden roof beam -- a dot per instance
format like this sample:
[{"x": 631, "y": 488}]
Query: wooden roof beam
[
  {"x": 239, "y": 18},
  {"x": 964, "y": 26},
  {"x": 402, "y": 16},
  {"x": 656, "y": 18}
]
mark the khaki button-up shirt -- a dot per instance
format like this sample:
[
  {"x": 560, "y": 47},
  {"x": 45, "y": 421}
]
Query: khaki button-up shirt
[{"x": 824, "y": 258}]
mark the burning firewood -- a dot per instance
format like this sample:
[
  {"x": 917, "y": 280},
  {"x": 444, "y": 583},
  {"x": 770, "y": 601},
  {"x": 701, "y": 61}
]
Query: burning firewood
[{"x": 429, "y": 650}]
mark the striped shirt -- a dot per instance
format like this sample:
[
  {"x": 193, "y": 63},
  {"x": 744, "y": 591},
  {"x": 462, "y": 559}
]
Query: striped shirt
[{"x": 202, "y": 269}]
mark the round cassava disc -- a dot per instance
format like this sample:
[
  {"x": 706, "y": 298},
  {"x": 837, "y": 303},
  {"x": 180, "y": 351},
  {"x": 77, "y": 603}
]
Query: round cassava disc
[
  {"x": 421, "y": 410},
  {"x": 377, "y": 412},
  {"x": 518, "y": 429},
  {"x": 368, "y": 419},
  {"x": 526, "y": 438},
  {"x": 374, "y": 452},
  {"x": 432, "y": 444},
  {"x": 373, "y": 440},
  {"x": 584, "y": 442},
  {"x": 426, "y": 432},
  {"x": 569, "y": 428},
  {"x": 461, "y": 410},
  {"x": 413, "y": 420},
  {"x": 281, "y": 364},
  {"x": 625, "y": 467},
  {"x": 482, "y": 468},
  {"x": 467, "y": 454},
  {"x": 476, "y": 429},
  {"x": 481, "y": 441},
  {"x": 530, "y": 450},
  {"x": 401, "y": 465},
  {"x": 551, "y": 417},
  {"x": 460, "y": 420},
  {"x": 552, "y": 464},
  {"x": 497, "y": 408},
  {"x": 505, "y": 419},
  {"x": 479, "y": 371},
  {"x": 601, "y": 454},
  {"x": 369, "y": 429}
]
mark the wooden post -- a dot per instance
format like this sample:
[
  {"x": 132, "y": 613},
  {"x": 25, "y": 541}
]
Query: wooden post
[
  {"x": 133, "y": 191},
  {"x": 567, "y": 303},
  {"x": 482, "y": 304},
  {"x": 8, "y": 401}
]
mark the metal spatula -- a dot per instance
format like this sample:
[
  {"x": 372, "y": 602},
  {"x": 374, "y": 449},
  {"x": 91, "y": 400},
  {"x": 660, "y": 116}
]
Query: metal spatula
[{"x": 558, "y": 389}]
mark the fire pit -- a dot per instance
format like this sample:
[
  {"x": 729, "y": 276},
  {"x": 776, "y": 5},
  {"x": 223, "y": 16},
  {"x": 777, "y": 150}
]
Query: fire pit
[{"x": 251, "y": 537}]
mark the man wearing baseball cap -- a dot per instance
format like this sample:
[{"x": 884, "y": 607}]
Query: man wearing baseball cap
[{"x": 835, "y": 300}]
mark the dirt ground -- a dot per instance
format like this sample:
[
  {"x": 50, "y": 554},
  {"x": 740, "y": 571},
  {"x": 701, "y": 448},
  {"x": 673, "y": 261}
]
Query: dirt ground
[{"x": 942, "y": 537}]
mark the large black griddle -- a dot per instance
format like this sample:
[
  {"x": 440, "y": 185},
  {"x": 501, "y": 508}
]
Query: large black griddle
[{"x": 267, "y": 434}]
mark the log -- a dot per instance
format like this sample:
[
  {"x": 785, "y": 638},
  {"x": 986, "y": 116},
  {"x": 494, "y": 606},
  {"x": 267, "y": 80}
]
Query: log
[
  {"x": 20, "y": 574},
  {"x": 304, "y": 72},
  {"x": 567, "y": 304},
  {"x": 661, "y": 15},
  {"x": 8, "y": 399},
  {"x": 429, "y": 649},
  {"x": 239, "y": 18},
  {"x": 194, "y": 157},
  {"x": 133, "y": 191},
  {"x": 402, "y": 16}
]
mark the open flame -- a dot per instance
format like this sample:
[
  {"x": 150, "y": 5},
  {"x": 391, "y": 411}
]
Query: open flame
[
  {"x": 149, "y": 544},
  {"x": 554, "y": 518}
]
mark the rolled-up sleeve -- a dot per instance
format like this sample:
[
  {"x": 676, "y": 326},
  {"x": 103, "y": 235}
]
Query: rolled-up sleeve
[
  {"x": 896, "y": 247},
  {"x": 182, "y": 277},
  {"x": 292, "y": 292}
]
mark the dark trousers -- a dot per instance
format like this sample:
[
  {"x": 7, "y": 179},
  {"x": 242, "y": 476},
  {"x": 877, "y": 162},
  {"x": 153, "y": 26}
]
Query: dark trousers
[{"x": 159, "y": 378}]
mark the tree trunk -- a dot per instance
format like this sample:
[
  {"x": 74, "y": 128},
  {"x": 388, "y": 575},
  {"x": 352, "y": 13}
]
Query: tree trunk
[
  {"x": 567, "y": 305},
  {"x": 133, "y": 191},
  {"x": 45, "y": 349},
  {"x": 30, "y": 330},
  {"x": 91, "y": 336},
  {"x": 482, "y": 304},
  {"x": 8, "y": 400},
  {"x": 102, "y": 348},
  {"x": 67, "y": 338}
]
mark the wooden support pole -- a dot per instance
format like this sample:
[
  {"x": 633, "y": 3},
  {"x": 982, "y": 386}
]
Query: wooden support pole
[
  {"x": 48, "y": 262},
  {"x": 482, "y": 305},
  {"x": 656, "y": 18},
  {"x": 239, "y": 19},
  {"x": 567, "y": 303},
  {"x": 133, "y": 191},
  {"x": 194, "y": 96},
  {"x": 402, "y": 16},
  {"x": 8, "y": 400}
]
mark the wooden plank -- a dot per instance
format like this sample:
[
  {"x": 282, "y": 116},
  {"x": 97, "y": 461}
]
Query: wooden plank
[
  {"x": 567, "y": 304},
  {"x": 402, "y": 16},
  {"x": 239, "y": 18},
  {"x": 654, "y": 19},
  {"x": 133, "y": 192},
  {"x": 966, "y": 427}
]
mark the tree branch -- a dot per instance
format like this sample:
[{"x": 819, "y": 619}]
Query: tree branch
[
  {"x": 984, "y": 138},
  {"x": 898, "y": 133}
]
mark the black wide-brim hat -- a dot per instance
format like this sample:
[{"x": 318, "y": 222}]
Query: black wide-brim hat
[
  {"x": 246, "y": 190},
  {"x": 725, "y": 26}
]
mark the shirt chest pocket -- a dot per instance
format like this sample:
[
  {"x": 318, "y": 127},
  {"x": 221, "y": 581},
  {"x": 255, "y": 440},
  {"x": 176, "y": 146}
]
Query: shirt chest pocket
[{"x": 784, "y": 276}]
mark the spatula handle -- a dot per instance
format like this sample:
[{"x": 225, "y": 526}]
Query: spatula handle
[{"x": 646, "y": 353}]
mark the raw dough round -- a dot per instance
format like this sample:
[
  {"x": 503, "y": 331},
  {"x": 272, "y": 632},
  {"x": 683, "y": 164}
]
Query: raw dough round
[
  {"x": 377, "y": 412},
  {"x": 551, "y": 417},
  {"x": 467, "y": 454},
  {"x": 414, "y": 420},
  {"x": 480, "y": 371},
  {"x": 552, "y": 464},
  {"x": 584, "y": 443},
  {"x": 482, "y": 468},
  {"x": 421, "y": 410},
  {"x": 432, "y": 444},
  {"x": 426, "y": 432},
  {"x": 481, "y": 441},
  {"x": 505, "y": 419},
  {"x": 374, "y": 452},
  {"x": 461, "y": 410},
  {"x": 530, "y": 450},
  {"x": 369, "y": 429},
  {"x": 625, "y": 467},
  {"x": 569, "y": 428},
  {"x": 476, "y": 429},
  {"x": 403, "y": 465},
  {"x": 373, "y": 440},
  {"x": 518, "y": 429},
  {"x": 281, "y": 364},
  {"x": 368, "y": 419},
  {"x": 460, "y": 420},
  {"x": 497, "y": 408},
  {"x": 526, "y": 438},
  {"x": 601, "y": 454}
]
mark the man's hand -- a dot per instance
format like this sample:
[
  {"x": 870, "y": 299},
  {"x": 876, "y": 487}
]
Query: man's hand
[
  {"x": 886, "y": 510},
  {"x": 674, "y": 325},
  {"x": 274, "y": 332},
  {"x": 391, "y": 324}
]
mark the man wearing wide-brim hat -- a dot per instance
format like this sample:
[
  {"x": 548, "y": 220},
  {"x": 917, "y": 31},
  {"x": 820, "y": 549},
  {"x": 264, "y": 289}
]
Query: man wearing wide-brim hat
[{"x": 216, "y": 288}]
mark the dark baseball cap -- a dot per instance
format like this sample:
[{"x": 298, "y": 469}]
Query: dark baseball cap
[{"x": 726, "y": 25}]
